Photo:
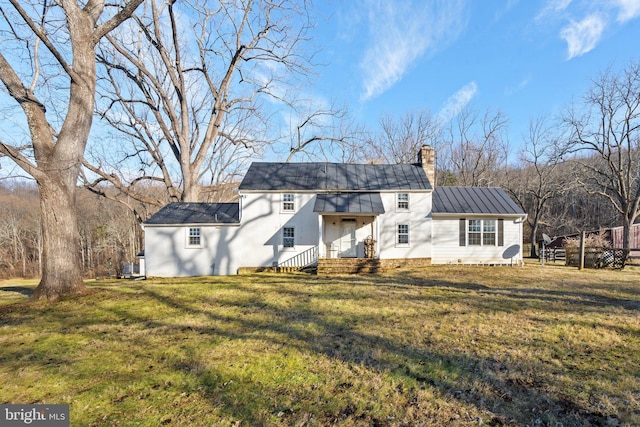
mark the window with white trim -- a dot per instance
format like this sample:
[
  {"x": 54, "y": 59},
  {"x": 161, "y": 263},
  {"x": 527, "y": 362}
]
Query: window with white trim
[
  {"x": 194, "y": 237},
  {"x": 288, "y": 202},
  {"x": 288, "y": 237},
  {"x": 481, "y": 232},
  {"x": 402, "y": 235},
  {"x": 489, "y": 232},
  {"x": 474, "y": 232},
  {"x": 402, "y": 201}
]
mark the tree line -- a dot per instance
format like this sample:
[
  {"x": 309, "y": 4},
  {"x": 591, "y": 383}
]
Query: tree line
[
  {"x": 108, "y": 233},
  {"x": 185, "y": 94}
]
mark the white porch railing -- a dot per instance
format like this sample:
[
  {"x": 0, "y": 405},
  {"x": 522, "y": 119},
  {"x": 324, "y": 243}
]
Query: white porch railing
[{"x": 304, "y": 259}]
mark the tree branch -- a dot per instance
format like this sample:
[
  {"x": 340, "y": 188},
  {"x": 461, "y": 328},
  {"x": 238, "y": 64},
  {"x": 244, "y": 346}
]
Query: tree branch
[{"x": 115, "y": 20}]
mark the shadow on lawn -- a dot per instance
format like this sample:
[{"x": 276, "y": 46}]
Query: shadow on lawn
[
  {"x": 503, "y": 396},
  {"x": 18, "y": 289},
  {"x": 531, "y": 297},
  {"x": 510, "y": 398}
]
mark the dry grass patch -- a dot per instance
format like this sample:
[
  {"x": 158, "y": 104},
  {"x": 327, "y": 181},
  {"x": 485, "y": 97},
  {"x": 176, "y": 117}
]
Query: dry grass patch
[{"x": 435, "y": 346}]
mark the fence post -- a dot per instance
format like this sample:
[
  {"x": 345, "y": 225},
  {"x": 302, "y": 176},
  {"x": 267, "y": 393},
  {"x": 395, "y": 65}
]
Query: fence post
[{"x": 581, "y": 263}]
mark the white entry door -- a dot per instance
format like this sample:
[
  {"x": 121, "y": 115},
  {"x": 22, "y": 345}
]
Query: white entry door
[{"x": 348, "y": 240}]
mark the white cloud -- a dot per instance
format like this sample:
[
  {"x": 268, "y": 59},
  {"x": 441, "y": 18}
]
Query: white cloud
[
  {"x": 553, "y": 6},
  {"x": 583, "y": 36},
  {"x": 456, "y": 102},
  {"x": 511, "y": 90},
  {"x": 629, "y": 9},
  {"x": 502, "y": 11},
  {"x": 401, "y": 32}
]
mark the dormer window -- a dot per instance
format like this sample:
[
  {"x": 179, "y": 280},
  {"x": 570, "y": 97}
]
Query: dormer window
[
  {"x": 402, "y": 201},
  {"x": 288, "y": 202}
]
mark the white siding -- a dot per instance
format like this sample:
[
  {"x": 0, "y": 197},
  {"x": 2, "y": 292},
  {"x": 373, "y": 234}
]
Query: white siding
[
  {"x": 447, "y": 249},
  {"x": 260, "y": 242},
  {"x": 225, "y": 248},
  {"x": 257, "y": 242},
  {"x": 168, "y": 255},
  {"x": 419, "y": 219}
]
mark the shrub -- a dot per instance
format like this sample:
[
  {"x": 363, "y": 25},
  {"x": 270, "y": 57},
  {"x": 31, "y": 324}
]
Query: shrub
[{"x": 599, "y": 240}]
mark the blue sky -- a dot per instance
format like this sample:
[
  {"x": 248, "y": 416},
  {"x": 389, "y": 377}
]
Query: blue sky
[{"x": 521, "y": 57}]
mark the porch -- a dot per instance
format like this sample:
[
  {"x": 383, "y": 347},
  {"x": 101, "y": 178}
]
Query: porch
[
  {"x": 347, "y": 224},
  {"x": 346, "y": 246},
  {"x": 348, "y": 237}
]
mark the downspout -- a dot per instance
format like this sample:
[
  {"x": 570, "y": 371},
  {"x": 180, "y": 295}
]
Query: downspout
[
  {"x": 321, "y": 246},
  {"x": 520, "y": 238}
]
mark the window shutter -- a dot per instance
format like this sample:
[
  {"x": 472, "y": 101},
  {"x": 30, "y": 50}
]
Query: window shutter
[
  {"x": 500, "y": 232},
  {"x": 463, "y": 232}
]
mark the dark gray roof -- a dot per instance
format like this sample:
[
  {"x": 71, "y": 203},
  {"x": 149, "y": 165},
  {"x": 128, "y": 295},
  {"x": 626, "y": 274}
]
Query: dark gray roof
[
  {"x": 370, "y": 203},
  {"x": 333, "y": 177},
  {"x": 197, "y": 213},
  {"x": 474, "y": 200}
]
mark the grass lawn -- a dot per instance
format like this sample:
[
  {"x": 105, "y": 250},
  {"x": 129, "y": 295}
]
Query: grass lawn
[{"x": 438, "y": 346}]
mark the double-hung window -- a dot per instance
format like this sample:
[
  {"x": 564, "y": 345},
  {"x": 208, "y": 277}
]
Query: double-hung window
[
  {"x": 489, "y": 232},
  {"x": 474, "y": 235},
  {"x": 481, "y": 232},
  {"x": 288, "y": 237},
  {"x": 288, "y": 202},
  {"x": 402, "y": 235},
  {"x": 402, "y": 201},
  {"x": 194, "y": 238}
]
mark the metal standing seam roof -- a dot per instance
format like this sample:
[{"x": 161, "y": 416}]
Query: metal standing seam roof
[
  {"x": 473, "y": 200},
  {"x": 361, "y": 203},
  {"x": 328, "y": 177},
  {"x": 196, "y": 213}
]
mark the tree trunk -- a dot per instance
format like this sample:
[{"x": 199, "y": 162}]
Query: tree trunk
[
  {"x": 58, "y": 153},
  {"x": 61, "y": 275},
  {"x": 191, "y": 190},
  {"x": 39, "y": 245},
  {"x": 23, "y": 255},
  {"x": 534, "y": 231},
  {"x": 626, "y": 233}
]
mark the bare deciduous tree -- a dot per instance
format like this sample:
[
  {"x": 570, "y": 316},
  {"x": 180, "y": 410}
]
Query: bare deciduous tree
[
  {"x": 475, "y": 147},
  {"x": 537, "y": 181},
  {"x": 49, "y": 55},
  {"x": 186, "y": 84},
  {"x": 400, "y": 138},
  {"x": 322, "y": 133},
  {"x": 605, "y": 135}
]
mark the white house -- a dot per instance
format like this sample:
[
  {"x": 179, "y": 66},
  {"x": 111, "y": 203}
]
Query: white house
[{"x": 294, "y": 214}]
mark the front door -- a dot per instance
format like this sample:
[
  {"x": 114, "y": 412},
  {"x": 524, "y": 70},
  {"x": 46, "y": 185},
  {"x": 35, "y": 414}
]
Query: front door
[{"x": 348, "y": 239}]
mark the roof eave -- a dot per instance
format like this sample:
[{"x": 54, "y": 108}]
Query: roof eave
[
  {"x": 333, "y": 213},
  {"x": 324, "y": 191},
  {"x": 476, "y": 214},
  {"x": 192, "y": 224}
]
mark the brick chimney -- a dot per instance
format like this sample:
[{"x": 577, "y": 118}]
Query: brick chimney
[{"x": 426, "y": 158}]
